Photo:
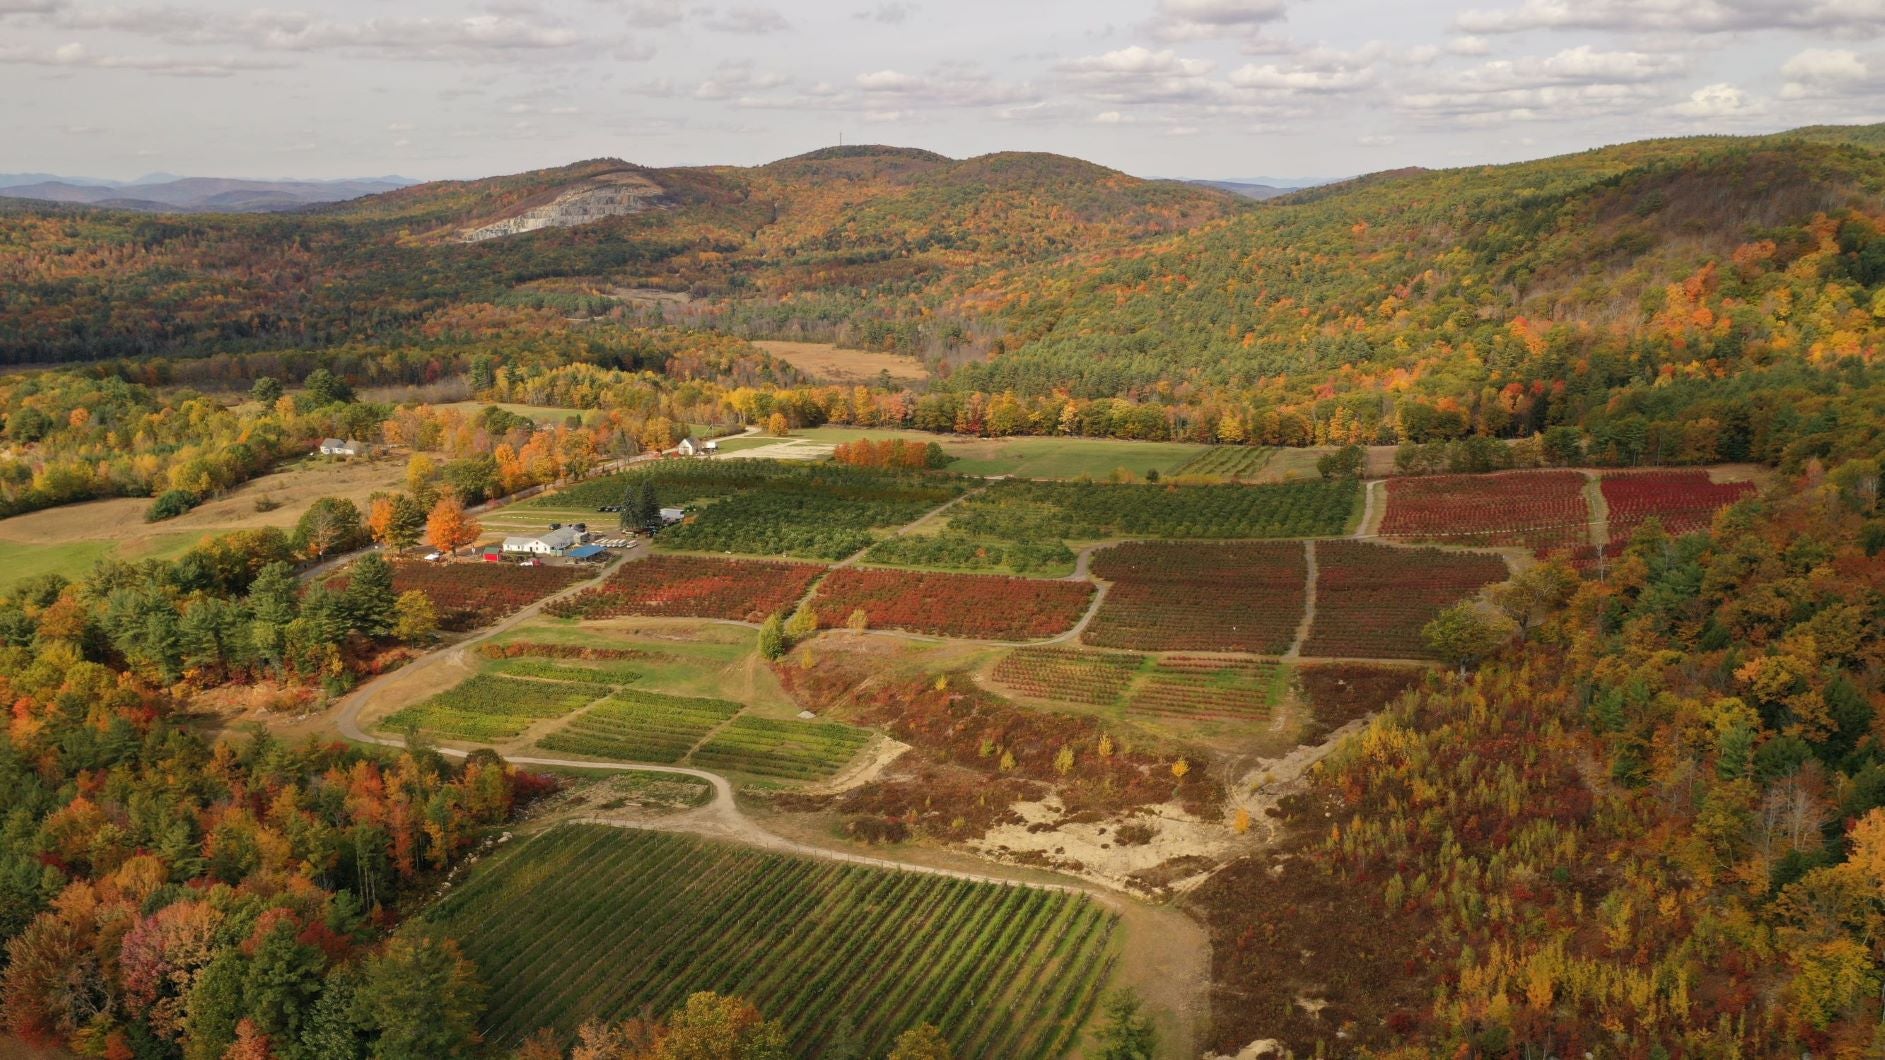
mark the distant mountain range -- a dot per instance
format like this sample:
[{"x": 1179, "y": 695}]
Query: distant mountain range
[
  {"x": 166, "y": 192},
  {"x": 1263, "y": 187}
]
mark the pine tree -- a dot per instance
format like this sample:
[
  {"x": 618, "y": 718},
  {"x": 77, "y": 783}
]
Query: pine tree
[{"x": 370, "y": 598}]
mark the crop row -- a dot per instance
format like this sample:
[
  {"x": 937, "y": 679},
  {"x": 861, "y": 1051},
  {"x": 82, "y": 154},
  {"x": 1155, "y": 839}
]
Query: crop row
[
  {"x": 1683, "y": 501},
  {"x": 640, "y": 726},
  {"x": 809, "y": 525},
  {"x": 1004, "y": 971},
  {"x": 794, "y": 750},
  {"x": 488, "y": 707},
  {"x": 525, "y": 666},
  {"x": 1193, "y": 693},
  {"x": 949, "y": 549},
  {"x": 681, "y": 482},
  {"x": 1021, "y": 510},
  {"x": 1540, "y": 510},
  {"x": 1227, "y": 461},
  {"x": 952, "y": 605},
  {"x": 1166, "y": 596},
  {"x": 469, "y": 595},
  {"x": 1067, "y": 674},
  {"x": 694, "y": 587},
  {"x": 1372, "y": 601}
]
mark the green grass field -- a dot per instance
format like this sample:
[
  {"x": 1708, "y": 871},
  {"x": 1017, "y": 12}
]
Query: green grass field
[
  {"x": 1032, "y": 457},
  {"x": 588, "y": 921},
  {"x": 74, "y": 559}
]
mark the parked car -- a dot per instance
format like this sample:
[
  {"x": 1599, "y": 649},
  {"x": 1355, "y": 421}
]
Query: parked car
[{"x": 433, "y": 557}]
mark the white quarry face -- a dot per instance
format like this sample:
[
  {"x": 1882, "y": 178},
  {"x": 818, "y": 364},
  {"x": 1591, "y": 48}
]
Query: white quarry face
[{"x": 608, "y": 195}]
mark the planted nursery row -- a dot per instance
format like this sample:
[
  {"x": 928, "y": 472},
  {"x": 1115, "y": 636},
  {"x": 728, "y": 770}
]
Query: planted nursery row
[
  {"x": 590, "y": 922},
  {"x": 636, "y": 725},
  {"x": 694, "y": 587},
  {"x": 470, "y": 595},
  {"x": 1540, "y": 510},
  {"x": 1185, "y": 596},
  {"x": 487, "y": 707},
  {"x": 1096, "y": 678},
  {"x": 1373, "y": 600},
  {"x": 952, "y": 605}
]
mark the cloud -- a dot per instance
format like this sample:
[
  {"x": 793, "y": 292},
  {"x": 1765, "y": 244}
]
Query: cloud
[
  {"x": 1829, "y": 73},
  {"x": 732, "y": 80},
  {"x": 748, "y": 21},
  {"x": 882, "y": 92},
  {"x": 29, "y": 7},
  {"x": 1574, "y": 83},
  {"x": 1718, "y": 102},
  {"x": 1183, "y": 20},
  {"x": 894, "y": 13},
  {"x": 77, "y": 55},
  {"x": 1854, "y": 17},
  {"x": 482, "y": 36},
  {"x": 657, "y": 14},
  {"x": 1140, "y": 75}
]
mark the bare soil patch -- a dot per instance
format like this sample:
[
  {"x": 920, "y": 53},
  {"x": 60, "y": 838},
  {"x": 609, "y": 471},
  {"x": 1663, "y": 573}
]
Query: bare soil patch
[{"x": 827, "y": 363}]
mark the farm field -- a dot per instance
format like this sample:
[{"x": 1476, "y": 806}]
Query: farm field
[
  {"x": 1202, "y": 688},
  {"x": 487, "y": 707},
  {"x": 828, "y": 363},
  {"x": 789, "y": 749},
  {"x": 1091, "y": 677},
  {"x": 1683, "y": 501},
  {"x": 640, "y": 726},
  {"x": 952, "y": 605},
  {"x": 1172, "y": 687},
  {"x": 677, "y": 657},
  {"x": 948, "y": 550},
  {"x": 760, "y": 507},
  {"x": 1241, "y": 462},
  {"x": 1372, "y": 600},
  {"x": 69, "y": 539},
  {"x": 597, "y": 922},
  {"x": 1042, "y": 511},
  {"x": 1030, "y": 457},
  {"x": 1195, "y": 596},
  {"x": 470, "y": 595},
  {"x": 1539, "y": 510},
  {"x": 694, "y": 587}
]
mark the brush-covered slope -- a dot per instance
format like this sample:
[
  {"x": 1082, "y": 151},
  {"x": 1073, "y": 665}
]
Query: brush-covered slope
[
  {"x": 87, "y": 283},
  {"x": 1417, "y": 272}
]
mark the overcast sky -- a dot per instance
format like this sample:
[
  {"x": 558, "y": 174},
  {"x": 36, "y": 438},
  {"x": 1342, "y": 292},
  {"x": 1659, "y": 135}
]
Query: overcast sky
[{"x": 1201, "y": 88}]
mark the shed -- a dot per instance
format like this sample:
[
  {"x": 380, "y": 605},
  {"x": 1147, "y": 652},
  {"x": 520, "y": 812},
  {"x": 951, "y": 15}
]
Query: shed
[
  {"x": 587, "y": 552},
  {"x": 673, "y": 515},
  {"x": 690, "y": 446}
]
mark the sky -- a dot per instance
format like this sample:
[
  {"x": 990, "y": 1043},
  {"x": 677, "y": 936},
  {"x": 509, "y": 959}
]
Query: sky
[{"x": 1182, "y": 88}]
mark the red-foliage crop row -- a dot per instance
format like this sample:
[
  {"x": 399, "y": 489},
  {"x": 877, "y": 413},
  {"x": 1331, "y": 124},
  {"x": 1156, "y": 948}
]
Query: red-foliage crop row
[
  {"x": 1684, "y": 501},
  {"x": 1096, "y": 678},
  {"x": 952, "y": 605},
  {"x": 1372, "y": 600},
  {"x": 1542, "y": 510},
  {"x": 695, "y": 587},
  {"x": 469, "y": 595},
  {"x": 1184, "y": 596}
]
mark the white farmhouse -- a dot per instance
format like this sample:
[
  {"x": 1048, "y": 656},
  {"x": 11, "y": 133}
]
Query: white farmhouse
[
  {"x": 337, "y": 447},
  {"x": 556, "y": 541}
]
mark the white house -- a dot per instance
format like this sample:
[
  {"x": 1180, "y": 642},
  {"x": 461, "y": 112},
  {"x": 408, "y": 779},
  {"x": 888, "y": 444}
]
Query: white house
[
  {"x": 690, "y": 446},
  {"x": 337, "y": 447},
  {"x": 557, "y": 540}
]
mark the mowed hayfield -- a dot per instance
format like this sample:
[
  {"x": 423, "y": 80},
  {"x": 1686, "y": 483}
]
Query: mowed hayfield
[
  {"x": 824, "y": 362},
  {"x": 69, "y": 539},
  {"x": 590, "y": 921}
]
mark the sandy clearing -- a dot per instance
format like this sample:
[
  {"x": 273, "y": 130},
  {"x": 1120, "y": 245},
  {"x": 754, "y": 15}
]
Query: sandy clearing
[
  {"x": 828, "y": 363},
  {"x": 1090, "y": 850}
]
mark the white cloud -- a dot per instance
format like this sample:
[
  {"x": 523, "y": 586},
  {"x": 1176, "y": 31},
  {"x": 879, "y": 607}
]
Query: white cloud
[
  {"x": 1829, "y": 73},
  {"x": 76, "y": 55},
  {"x": 894, "y": 13},
  {"x": 1857, "y": 17},
  {"x": 748, "y": 21},
  {"x": 1183, "y": 20},
  {"x": 1718, "y": 102},
  {"x": 732, "y": 80}
]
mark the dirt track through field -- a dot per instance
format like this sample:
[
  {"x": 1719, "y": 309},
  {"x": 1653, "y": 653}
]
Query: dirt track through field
[{"x": 1308, "y": 620}]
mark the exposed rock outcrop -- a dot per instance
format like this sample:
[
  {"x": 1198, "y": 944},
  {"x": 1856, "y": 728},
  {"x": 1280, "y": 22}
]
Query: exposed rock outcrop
[{"x": 607, "y": 195}]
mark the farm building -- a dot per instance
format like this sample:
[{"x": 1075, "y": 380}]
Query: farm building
[
  {"x": 672, "y": 515},
  {"x": 558, "y": 540},
  {"x": 710, "y": 447},
  {"x": 338, "y": 447},
  {"x": 690, "y": 446},
  {"x": 588, "y": 552}
]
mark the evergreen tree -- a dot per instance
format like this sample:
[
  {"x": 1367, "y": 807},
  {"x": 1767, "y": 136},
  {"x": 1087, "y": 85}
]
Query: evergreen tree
[
  {"x": 772, "y": 637},
  {"x": 369, "y": 598},
  {"x": 421, "y": 999},
  {"x": 647, "y": 508},
  {"x": 1128, "y": 1033}
]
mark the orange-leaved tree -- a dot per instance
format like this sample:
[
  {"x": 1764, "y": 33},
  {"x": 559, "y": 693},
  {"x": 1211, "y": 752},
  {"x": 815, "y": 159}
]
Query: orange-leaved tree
[{"x": 448, "y": 528}]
